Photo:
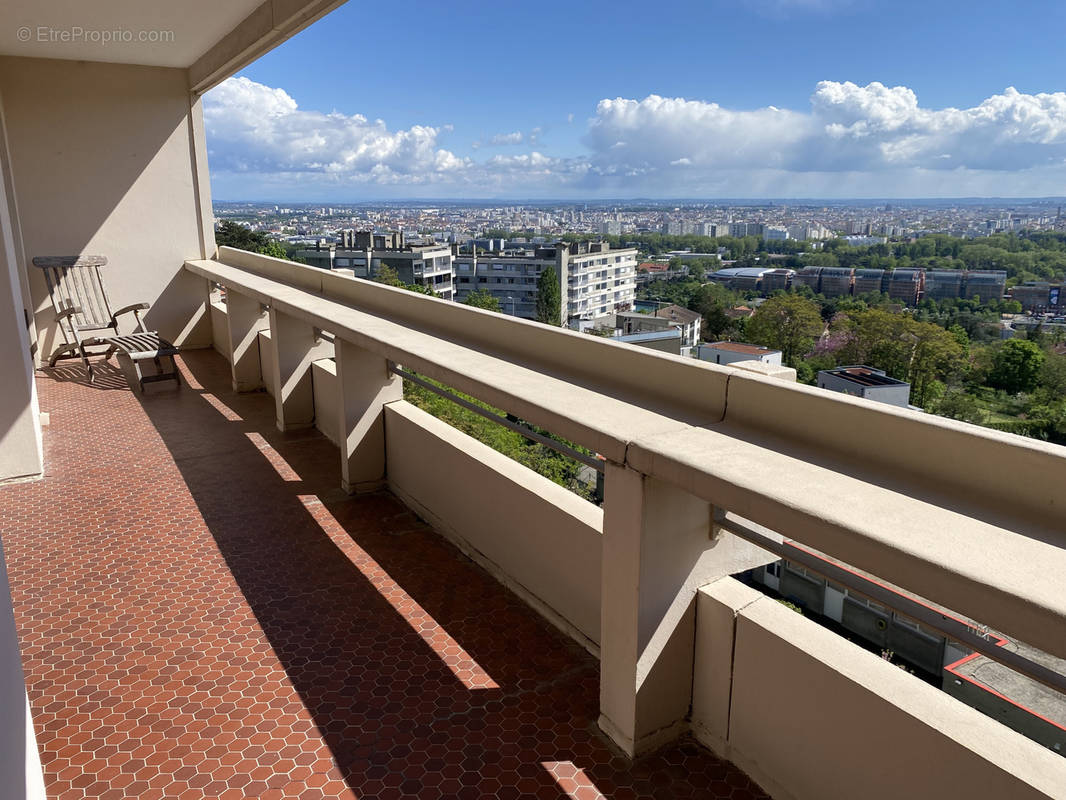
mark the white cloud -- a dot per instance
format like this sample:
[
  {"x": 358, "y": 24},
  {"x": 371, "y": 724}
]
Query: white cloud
[
  {"x": 851, "y": 141},
  {"x": 516, "y": 137},
  {"x": 870, "y": 128},
  {"x": 254, "y": 128}
]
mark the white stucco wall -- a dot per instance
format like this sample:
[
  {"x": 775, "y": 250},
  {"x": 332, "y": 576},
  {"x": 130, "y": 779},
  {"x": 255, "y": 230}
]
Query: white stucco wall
[
  {"x": 105, "y": 161},
  {"x": 535, "y": 536},
  {"x": 20, "y": 433}
]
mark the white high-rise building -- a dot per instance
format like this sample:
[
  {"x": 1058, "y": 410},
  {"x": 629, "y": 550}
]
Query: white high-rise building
[{"x": 594, "y": 280}]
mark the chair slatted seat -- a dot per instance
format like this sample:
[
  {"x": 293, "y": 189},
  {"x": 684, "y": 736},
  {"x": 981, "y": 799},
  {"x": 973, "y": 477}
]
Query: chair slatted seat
[{"x": 85, "y": 318}]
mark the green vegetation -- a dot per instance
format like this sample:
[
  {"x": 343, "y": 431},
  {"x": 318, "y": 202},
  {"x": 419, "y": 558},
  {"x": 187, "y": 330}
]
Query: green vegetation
[
  {"x": 549, "y": 298},
  {"x": 786, "y": 322},
  {"x": 230, "y": 234},
  {"x": 1036, "y": 255},
  {"x": 482, "y": 298},
  {"x": 949, "y": 350},
  {"x": 1016, "y": 366},
  {"x": 539, "y": 458},
  {"x": 390, "y": 277}
]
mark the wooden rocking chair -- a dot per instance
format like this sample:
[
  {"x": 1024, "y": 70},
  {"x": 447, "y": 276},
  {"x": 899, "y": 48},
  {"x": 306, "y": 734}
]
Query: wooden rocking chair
[{"x": 84, "y": 316}]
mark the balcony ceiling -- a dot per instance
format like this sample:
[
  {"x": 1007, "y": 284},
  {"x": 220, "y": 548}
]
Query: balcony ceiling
[{"x": 31, "y": 27}]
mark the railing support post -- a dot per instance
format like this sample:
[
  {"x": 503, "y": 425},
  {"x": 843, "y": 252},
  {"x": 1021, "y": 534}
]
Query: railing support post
[
  {"x": 366, "y": 385},
  {"x": 245, "y": 318},
  {"x": 293, "y": 346},
  {"x": 659, "y": 547}
]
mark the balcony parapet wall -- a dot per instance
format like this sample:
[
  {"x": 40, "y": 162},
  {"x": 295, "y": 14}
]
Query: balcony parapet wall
[{"x": 918, "y": 500}]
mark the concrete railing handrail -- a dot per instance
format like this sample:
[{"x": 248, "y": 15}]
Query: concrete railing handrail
[
  {"x": 773, "y": 472},
  {"x": 995, "y": 467}
]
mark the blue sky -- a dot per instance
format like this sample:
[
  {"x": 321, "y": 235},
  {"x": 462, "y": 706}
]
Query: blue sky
[{"x": 755, "y": 98}]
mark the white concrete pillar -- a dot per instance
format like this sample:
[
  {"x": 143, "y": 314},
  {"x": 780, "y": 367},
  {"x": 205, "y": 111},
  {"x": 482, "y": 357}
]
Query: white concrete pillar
[
  {"x": 293, "y": 346},
  {"x": 366, "y": 385},
  {"x": 20, "y": 761},
  {"x": 245, "y": 318},
  {"x": 21, "y": 452},
  {"x": 658, "y": 549}
]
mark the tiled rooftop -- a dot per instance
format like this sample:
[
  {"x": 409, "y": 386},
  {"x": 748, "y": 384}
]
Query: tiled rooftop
[{"x": 204, "y": 614}]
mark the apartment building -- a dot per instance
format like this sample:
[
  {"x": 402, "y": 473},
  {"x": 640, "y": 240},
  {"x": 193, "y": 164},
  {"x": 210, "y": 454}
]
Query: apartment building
[
  {"x": 868, "y": 280},
  {"x": 1040, "y": 296},
  {"x": 364, "y": 253},
  {"x": 669, "y": 317},
  {"x": 808, "y": 276},
  {"x": 904, "y": 285},
  {"x": 775, "y": 279},
  {"x": 836, "y": 281},
  {"x": 943, "y": 283},
  {"x": 241, "y": 588},
  {"x": 595, "y": 281},
  {"x": 987, "y": 284}
]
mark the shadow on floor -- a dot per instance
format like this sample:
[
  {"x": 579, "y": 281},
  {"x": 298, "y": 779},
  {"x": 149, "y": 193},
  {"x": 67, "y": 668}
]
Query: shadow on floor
[
  {"x": 426, "y": 677},
  {"x": 106, "y": 374}
]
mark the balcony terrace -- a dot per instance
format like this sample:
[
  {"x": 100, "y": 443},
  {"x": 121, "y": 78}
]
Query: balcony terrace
[
  {"x": 321, "y": 590},
  {"x": 204, "y": 613}
]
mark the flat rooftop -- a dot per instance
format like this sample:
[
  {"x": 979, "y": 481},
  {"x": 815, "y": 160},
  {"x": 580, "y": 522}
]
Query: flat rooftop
[
  {"x": 864, "y": 376},
  {"x": 739, "y": 347},
  {"x": 203, "y": 613},
  {"x": 1019, "y": 689}
]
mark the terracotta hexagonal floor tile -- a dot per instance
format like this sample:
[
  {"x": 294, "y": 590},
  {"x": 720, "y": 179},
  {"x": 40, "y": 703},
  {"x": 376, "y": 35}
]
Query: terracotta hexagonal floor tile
[{"x": 202, "y": 613}]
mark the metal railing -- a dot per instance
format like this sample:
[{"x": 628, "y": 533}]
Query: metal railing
[{"x": 517, "y": 427}]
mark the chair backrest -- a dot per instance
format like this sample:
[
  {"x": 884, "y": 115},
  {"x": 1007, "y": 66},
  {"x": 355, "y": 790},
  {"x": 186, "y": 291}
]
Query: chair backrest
[{"x": 76, "y": 281}]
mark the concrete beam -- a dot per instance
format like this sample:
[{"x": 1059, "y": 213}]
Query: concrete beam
[
  {"x": 244, "y": 319},
  {"x": 293, "y": 346},
  {"x": 261, "y": 31},
  {"x": 659, "y": 547},
  {"x": 366, "y": 385}
]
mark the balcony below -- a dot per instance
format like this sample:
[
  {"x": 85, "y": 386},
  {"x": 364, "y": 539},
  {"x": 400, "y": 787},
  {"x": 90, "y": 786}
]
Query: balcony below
[{"x": 202, "y": 612}]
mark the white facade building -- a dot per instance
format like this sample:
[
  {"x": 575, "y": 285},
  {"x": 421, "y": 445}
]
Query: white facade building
[
  {"x": 730, "y": 352},
  {"x": 594, "y": 280}
]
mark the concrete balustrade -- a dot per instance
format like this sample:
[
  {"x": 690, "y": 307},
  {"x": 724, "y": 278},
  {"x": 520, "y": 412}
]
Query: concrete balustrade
[
  {"x": 659, "y": 547},
  {"x": 366, "y": 385},
  {"x": 781, "y": 455},
  {"x": 294, "y": 344},
  {"x": 811, "y": 716},
  {"x": 244, "y": 319}
]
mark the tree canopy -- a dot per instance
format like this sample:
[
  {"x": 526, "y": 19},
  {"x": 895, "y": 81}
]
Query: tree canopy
[
  {"x": 786, "y": 322},
  {"x": 1016, "y": 367},
  {"x": 481, "y": 298},
  {"x": 549, "y": 298}
]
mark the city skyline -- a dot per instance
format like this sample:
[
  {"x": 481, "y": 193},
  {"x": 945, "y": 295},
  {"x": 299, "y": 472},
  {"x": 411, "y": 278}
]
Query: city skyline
[{"x": 774, "y": 98}]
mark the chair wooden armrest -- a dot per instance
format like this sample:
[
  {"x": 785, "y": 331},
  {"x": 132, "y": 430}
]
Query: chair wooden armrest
[
  {"x": 133, "y": 307},
  {"x": 70, "y": 311}
]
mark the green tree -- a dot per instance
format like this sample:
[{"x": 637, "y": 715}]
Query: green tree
[
  {"x": 712, "y": 302},
  {"x": 788, "y": 323},
  {"x": 273, "y": 248},
  {"x": 935, "y": 352},
  {"x": 390, "y": 277},
  {"x": 957, "y": 404},
  {"x": 549, "y": 298},
  {"x": 1016, "y": 366},
  {"x": 482, "y": 298},
  {"x": 232, "y": 234},
  {"x": 1053, "y": 375}
]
